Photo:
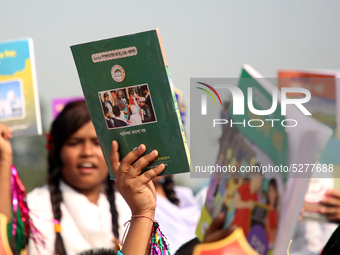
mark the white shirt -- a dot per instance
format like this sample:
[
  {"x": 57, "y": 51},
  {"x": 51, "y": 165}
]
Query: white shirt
[
  {"x": 84, "y": 225},
  {"x": 178, "y": 223}
]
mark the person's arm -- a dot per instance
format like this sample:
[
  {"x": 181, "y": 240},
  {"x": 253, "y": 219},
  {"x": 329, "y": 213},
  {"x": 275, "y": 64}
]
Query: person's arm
[
  {"x": 139, "y": 192},
  {"x": 6, "y": 160},
  {"x": 240, "y": 204}
]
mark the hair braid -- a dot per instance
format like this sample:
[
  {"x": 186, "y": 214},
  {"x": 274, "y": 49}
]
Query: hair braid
[
  {"x": 109, "y": 191},
  {"x": 168, "y": 186},
  {"x": 56, "y": 199}
]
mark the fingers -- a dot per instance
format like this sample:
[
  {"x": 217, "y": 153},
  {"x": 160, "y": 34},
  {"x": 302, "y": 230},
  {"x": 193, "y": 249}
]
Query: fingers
[
  {"x": 142, "y": 162},
  {"x": 219, "y": 234},
  {"x": 334, "y": 217},
  {"x": 301, "y": 212},
  {"x": 329, "y": 210},
  {"x": 216, "y": 224},
  {"x": 334, "y": 193},
  {"x": 152, "y": 173},
  {"x": 133, "y": 163},
  {"x": 133, "y": 155},
  {"x": 332, "y": 201},
  {"x": 115, "y": 158},
  {"x": 6, "y": 132},
  {"x": 216, "y": 232},
  {"x": 333, "y": 213}
]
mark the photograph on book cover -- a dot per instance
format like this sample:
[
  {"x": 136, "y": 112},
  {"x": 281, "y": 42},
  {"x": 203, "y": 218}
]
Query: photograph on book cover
[
  {"x": 129, "y": 106},
  {"x": 12, "y": 105}
]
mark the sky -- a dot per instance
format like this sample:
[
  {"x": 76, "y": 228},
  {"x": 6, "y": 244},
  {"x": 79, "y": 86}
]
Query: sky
[{"x": 201, "y": 38}]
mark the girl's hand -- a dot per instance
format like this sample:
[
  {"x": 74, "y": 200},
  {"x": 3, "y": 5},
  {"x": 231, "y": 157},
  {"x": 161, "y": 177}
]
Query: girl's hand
[
  {"x": 6, "y": 154},
  {"x": 6, "y": 160},
  {"x": 137, "y": 189}
]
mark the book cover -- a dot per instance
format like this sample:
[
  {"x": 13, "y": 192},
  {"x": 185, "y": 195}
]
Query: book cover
[
  {"x": 19, "y": 102},
  {"x": 131, "y": 99},
  {"x": 324, "y": 87},
  {"x": 5, "y": 248},
  {"x": 234, "y": 244}
]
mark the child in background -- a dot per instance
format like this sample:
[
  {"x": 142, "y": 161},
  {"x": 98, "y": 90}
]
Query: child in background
[
  {"x": 109, "y": 120},
  {"x": 119, "y": 120}
]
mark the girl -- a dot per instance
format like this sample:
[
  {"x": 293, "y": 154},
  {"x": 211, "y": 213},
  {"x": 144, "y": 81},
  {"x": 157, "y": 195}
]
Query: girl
[
  {"x": 140, "y": 194},
  {"x": 76, "y": 209}
]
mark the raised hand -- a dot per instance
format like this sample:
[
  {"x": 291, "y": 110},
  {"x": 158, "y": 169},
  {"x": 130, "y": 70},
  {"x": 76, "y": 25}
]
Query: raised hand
[
  {"x": 5, "y": 145},
  {"x": 139, "y": 192},
  {"x": 6, "y": 160},
  {"x": 137, "y": 189}
]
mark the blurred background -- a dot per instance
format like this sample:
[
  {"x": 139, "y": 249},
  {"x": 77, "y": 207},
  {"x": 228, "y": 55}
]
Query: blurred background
[{"x": 201, "y": 39}]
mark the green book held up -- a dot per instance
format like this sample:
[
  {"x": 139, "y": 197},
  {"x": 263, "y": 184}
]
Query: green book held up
[{"x": 131, "y": 99}]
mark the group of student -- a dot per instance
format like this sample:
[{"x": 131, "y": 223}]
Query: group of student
[
  {"x": 81, "y": 211},
  {"x": 122, "y": 112}
]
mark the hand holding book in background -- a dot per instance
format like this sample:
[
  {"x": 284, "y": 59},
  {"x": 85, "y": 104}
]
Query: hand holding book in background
[{"x": 331, "y": 206}]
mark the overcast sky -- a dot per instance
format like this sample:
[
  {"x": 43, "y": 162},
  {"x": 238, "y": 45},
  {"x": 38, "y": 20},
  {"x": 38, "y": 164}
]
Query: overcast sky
[{"x": 201, "y": 38}]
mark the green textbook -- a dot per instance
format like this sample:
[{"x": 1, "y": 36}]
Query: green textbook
[{"x": 131, "y": 99}]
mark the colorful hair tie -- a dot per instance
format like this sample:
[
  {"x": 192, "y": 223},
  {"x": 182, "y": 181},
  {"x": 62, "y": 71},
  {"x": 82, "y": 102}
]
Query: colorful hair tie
[
  {"x": 57, "y": 227},
  {"x": 20, "y": 207},
  {"x": 49, "y": 139}
]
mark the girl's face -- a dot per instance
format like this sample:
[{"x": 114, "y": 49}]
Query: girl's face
[
  {"x": 272, "y": 194},
  {"x": 84, "y": 166}
]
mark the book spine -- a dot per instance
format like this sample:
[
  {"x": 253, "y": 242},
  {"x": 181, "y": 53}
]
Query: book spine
[
  {"x": 174, "y": 98},
  {"x": 35, "y": 87}
]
